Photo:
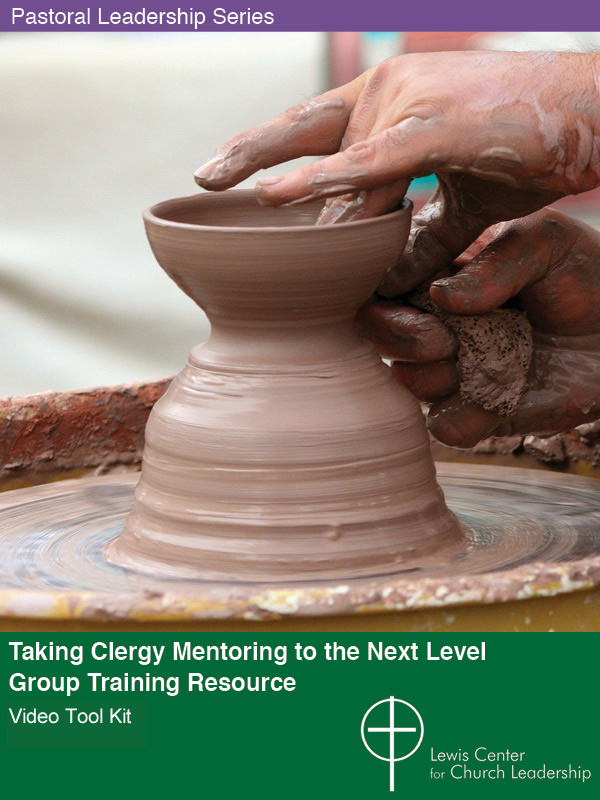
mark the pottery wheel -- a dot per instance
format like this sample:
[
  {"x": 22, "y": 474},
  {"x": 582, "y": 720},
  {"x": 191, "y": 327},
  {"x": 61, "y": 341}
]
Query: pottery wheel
[{"x": 531, "y": 534}]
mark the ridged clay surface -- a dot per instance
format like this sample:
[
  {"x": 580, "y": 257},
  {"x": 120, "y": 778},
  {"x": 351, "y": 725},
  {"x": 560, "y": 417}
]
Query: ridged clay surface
[{"x": 284, "y": 450}]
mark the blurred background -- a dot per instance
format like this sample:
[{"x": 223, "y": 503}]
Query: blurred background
[{"x": 96, "y": 127}]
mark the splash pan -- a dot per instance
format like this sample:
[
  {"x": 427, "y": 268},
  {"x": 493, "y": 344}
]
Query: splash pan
[{"x": 531, "y": 534}]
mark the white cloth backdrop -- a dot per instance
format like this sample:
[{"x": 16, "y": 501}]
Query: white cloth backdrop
[{"x": 94, "y": 128}]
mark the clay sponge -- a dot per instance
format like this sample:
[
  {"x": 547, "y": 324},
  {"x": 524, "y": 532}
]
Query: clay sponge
[{"x": 494, "y": 355}]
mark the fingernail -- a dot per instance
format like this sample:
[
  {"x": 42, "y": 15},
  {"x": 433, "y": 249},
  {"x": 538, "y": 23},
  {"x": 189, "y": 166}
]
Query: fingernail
[
  {"x": 269, "y": 181},
  {"x": 460, "y": 286},
  {"x": 460, "y": 424},
  {"x": 207, "y": 170},
  {"x": 457, "y": 294},
  {"x": 265, "y": 201},
  {"x": 264, "y": 194}
]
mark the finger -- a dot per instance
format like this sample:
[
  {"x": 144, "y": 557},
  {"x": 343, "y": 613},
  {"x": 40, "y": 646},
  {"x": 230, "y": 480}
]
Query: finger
[
  {"x": 553, "y": 400},
  {"x": 428, "y": 382},
  {"x": 371, "y": 203},
  {"x": 459, "y": 424},
  {"x": 459, "y": 212},
  {"x": 517, "y": 257},
  {"x": 438, "y": 235},
  {"x": 400, "y": 152},
  {"x": 487, "y": 237},
  {"x": 313, "y": 128},
  {"x": 403, "y": 333}
]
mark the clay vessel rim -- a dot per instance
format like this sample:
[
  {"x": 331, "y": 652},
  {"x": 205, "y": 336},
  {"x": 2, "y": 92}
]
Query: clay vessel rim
[{"x": 150, "y": 215}]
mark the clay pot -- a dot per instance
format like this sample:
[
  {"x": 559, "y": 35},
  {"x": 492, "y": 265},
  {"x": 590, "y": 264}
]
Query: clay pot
[{"x": 284, "y": 449}]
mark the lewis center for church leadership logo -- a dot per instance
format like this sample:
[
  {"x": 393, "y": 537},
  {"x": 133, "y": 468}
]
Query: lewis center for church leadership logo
[{"x": 392, "y": 730}]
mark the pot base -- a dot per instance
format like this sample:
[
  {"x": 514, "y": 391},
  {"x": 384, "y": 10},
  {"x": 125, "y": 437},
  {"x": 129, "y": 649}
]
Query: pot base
[{"x": 533, "y": 534}]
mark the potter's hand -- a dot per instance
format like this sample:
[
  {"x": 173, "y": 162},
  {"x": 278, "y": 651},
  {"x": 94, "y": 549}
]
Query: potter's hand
[
  {"x": 506, "y": 134},
  {"x": 550, "y": 265}
]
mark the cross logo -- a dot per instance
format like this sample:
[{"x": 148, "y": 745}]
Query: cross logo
[{"x": 406, "y": 746}]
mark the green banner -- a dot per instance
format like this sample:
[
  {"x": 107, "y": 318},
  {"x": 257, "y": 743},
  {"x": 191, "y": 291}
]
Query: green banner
[{"x": 299, "y": 715}]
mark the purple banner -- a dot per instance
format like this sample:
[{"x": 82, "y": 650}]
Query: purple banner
[{"x": 297, "y": 15}]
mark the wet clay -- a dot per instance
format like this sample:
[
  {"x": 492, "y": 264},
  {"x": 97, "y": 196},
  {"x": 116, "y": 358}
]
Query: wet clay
[
  {"x": 315, "y": 125},
  {"x": 284, "y": 450},
  {"x": 494, "y": 356},
  {"x": 502, "y": 145},
  {"x": 531, "y": 534}
]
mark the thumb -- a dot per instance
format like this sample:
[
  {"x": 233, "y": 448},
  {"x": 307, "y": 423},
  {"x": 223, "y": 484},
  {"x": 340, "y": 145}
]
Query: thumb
[
  {"x": 439, "y": 234},
  {"x": 510, "y": 262},
  {"x": 458, "y": 424}
]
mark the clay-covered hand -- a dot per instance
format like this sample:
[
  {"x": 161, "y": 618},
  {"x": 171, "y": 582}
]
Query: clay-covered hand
[
  {"x": 506, "y": 134},
  {"x": 549, "y": 265}
]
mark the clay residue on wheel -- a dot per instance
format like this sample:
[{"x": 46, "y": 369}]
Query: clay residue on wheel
[
  {"x": 526, "y": 542},
  {"x": 495, "y": 351}
]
